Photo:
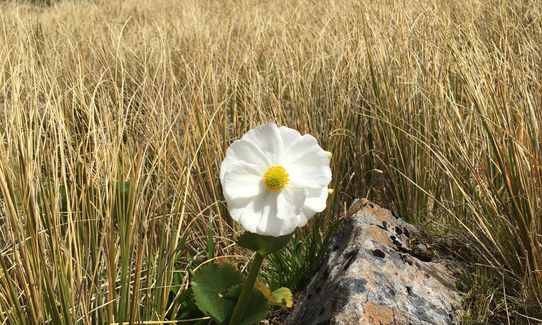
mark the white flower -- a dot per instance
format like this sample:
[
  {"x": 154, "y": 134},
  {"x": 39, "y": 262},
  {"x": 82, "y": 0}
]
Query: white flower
[{"x": 274, "y": 179}]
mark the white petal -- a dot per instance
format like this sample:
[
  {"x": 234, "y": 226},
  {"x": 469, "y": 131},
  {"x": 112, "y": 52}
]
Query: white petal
[
  {"x": 307, "y": 163},
  {"x": 241, "y": 180},
  {"x": 313, "y": 173},
  {"x": 267, "y": 137},
  {"x": 292, "y": 223},
  {"x": 256, "y": 217},
  {"x": 269, "y": 224},
  {"x": 277, "y": 227},
  {"x": 302, "y": 221},
  {"x": 244, "y": 151},
  {"x": 289, "y": 136},
  {"x": 315, "y": 202},
  {"x": 252, "y": 215},
  {"x": 300, "y": 147},
  {"x": 226, "y": 165},
  {"x": 286, "y": 216},
  {"x": 249, "y": 152},
  {"x": 298, "y": 220},
  {"x": 237, "y": 206},
  {"x": 289, "y": 202}
]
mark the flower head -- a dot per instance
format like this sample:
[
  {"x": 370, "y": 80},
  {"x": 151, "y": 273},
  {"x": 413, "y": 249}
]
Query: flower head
[{"x": 275, "y": 179}]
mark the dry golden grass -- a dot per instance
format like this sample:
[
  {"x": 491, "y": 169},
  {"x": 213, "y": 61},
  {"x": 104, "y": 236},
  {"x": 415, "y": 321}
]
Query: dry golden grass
[{"x": 114, "y": 118}]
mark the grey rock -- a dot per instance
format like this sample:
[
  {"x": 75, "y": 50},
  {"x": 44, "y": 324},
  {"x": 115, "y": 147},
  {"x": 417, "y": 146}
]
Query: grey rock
[{"x": 379, "y": 270}]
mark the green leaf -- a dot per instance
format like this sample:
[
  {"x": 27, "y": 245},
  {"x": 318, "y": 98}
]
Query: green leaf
[
  {"x": 122, "y": 206},
  {"x": 210, "y": 240},
  {"x": 264, "y": 245},
  {"x": 210, "y": 285},
  {"x": 177, "y": 281},
  {"x": 257, "y": 306}
]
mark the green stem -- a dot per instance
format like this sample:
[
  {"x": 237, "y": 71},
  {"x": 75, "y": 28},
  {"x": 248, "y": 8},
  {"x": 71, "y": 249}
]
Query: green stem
[{"x": 239, "y": 309}]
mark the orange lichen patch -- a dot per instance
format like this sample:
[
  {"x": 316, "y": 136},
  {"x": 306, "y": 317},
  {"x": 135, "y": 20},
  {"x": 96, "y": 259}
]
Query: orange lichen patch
[
  {"x": 379, "y": 213},
  {"x": 380, "y": 235},
  {"x": 379, "y": 314}
]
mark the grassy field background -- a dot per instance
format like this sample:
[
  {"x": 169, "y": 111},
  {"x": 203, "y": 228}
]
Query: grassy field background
[{"x": 115, "y": 116}]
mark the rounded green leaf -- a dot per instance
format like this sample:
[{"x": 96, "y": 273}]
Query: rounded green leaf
[
  {"x": 257, "y": 306},
  {"x": 210, "y": 285}
]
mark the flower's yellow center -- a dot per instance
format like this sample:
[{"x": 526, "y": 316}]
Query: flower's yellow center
[{"x": 275, "y": 178}]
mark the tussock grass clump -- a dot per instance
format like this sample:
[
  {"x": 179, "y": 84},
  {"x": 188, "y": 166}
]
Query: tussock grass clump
[{"x": 114, "y": 118}]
